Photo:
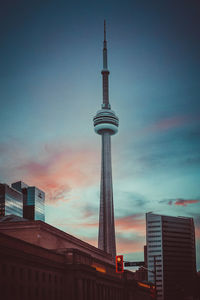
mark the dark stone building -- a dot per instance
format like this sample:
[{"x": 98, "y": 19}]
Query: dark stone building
[{"x": 31, "y": 267}]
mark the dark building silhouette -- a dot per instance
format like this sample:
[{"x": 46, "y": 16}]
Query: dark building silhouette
[
  {"x": 41, "y": 262},
  {"x": 171, "y": 254}
]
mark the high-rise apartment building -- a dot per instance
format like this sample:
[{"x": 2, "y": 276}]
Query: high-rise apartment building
[
  {"x": 33, "y": 201},
  {"x": 171, "y": 258},
  {"x": 11, "y": 201}
]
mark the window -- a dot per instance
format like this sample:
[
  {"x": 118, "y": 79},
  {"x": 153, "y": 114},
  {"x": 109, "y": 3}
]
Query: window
[
  {"x": 21, "y": 273},
  {"x": 154, "y": 246},
  {"x": 154, "y": 226},
  {"x": 36, "y": 275},
  {"x": 29, "y": 274},
  {"x": 13, "y": 271},
  {"x": 4, "y": 269}
]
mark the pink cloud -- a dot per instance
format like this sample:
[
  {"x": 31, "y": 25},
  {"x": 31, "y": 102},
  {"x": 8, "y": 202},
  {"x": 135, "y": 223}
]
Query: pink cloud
[
  {"x": 197, "y": 232},
  {"x": 131, "y": 223},
  {"x": 124, "y": 245},
  {"x": 185, "y": 202},
  {"x": 171, "y": 123},
  {"x": 92, "y": 241},
  {"x": 57, "y": 169},
  {"x": 128, "y": 245}
]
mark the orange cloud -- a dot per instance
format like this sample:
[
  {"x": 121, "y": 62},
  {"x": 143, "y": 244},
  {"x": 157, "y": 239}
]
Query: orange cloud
[
  {"x": 197, "y": 230},
  {"x": 128, "y": 245},
  {"x": 77, "y": 225},
  {"x": 132, "y": 223},
  {"x": 59, "y": 170},
  {"x": 92, "y": 241},
  {"x": 170, "y": 123},
  {"x": 185, "y": 202}
]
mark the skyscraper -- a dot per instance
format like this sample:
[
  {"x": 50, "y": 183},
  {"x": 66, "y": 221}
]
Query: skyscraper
[
  {"x": 171, "y": 255},
  {"x": 11, "y": 201},
  {"x": 33, "y": 201},
  {"x": 106, "y": 124}
]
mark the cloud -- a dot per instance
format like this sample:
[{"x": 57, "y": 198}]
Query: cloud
[
  {"x": 197, "y": 232},
  {"x": 179, "y": 201},
  {"x": 56, "y": 168},
  {"x": 131, "y": 223},
  {"x": 134, "y": 243},
  {"x": 184, "y": 202},
  {"x": 77, "y": 225},
  {"x": 92, "y": 241},
  {"x": 90, "y": 211},
  {"x": 171, "y": 123}
]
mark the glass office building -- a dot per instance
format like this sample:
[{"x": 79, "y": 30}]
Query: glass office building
[
  {"x": 11, "y": 201},
  {"x": 33, "y": 201}
]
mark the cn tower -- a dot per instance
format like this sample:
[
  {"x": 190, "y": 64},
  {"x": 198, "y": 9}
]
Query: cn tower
[{"x": 106, "y": 124}]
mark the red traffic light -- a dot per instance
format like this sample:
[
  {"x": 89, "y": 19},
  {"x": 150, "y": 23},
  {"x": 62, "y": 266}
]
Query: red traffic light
[
  {"x": 119, "y": 264},
  {"x": 153, "y": 292}
]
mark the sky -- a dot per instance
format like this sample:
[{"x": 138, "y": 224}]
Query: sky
[{"x": 51, "y": 88}]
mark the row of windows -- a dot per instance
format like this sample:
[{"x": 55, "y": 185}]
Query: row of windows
[
  {"x": 159, "y": 255},
  {"x": 177, "y": 221},
  {"x": 155, "y": 246},
  {"x": 85, "y": 289},
  {"x": 159, "y": 267},
  {"x": 177, "y": 246},
  {"x": 29, "y": 274},
  {"x": 154, "y": 241},
  {"x": 157, "y": 260},
  {"x": 178, "y": 232},
  {"x": 177, "y": 242},
  {"x": 13, "y": 289},
  {"x": 183, "y": 250},
  {"x": 177, "y": 256},
  {"x": 23, "y": 292},
  {"x": 156, "y": 221},
  {"x": 154, "y": 226},
  {"x": 176, "y": 238}
]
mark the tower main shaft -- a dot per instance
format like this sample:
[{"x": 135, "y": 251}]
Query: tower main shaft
[{"x": 106, "y": 124}]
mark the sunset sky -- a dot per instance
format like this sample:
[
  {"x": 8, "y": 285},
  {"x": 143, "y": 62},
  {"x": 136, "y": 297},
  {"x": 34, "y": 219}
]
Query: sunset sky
[{"x": 50, "y": 89}]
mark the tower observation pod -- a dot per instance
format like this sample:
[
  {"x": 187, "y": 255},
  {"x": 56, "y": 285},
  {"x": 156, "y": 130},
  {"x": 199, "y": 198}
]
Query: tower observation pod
[{"x": 106, "y": 124}]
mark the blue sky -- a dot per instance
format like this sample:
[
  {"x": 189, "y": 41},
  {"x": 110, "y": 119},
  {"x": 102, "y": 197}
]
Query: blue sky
[{"x": 50, "y": 89}]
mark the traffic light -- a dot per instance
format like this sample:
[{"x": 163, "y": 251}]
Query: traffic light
[
  {"x": 119, "y": 264},
  {"x": 152, "y": 292}
]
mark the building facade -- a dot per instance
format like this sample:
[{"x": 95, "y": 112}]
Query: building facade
[
  {"x": 171, "y": 258},
  {"x": 11, "y": 201},
  {"x": 54, "y": 265},
  {"x": 33, "y": 201},
  {"x": 106, "y": 124}
]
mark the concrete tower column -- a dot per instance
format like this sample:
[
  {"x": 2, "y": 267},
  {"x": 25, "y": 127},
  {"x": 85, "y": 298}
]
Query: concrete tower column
[{"x": 106, "y": 124}]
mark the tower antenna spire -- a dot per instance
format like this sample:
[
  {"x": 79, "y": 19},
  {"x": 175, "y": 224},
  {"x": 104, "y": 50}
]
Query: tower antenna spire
[
  {"x": 104, "y": 30},
  {"x": 105, "y": 73}
]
